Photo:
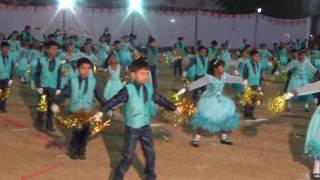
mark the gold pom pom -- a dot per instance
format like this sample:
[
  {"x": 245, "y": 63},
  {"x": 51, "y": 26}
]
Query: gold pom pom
[
  {"x": 250, "y": 97},
  {"x": 277, "y": 104},
  {"x": 188, "y": 109},
  {"x": 43, "y": 104},
  {"x": 79, "y": 119}
]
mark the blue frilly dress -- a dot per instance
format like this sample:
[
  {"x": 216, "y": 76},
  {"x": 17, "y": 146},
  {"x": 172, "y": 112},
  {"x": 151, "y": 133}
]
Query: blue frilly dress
[{"x": 216, "y": 112}]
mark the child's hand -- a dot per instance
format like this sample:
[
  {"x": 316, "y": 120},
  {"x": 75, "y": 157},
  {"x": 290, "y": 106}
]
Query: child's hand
[
  {"x": 40, "y": 90},
  {"x": 58, "y": 92},
  {"x": 245, "y": 83},
  {"x": 98, "y": 116},
  {"x": 288, "y": 95},
  {"x": 55, "y": 108},
  {"x": 178, "y": 111},
  {"x": 182, "y": 91}
]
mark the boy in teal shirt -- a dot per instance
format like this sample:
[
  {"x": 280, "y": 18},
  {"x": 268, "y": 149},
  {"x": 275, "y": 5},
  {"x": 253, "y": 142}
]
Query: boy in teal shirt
[
  {"x": 81, "y": 88},
  {"x": 6, "y": 72},
  {"x": 47, "y": 80},
  {"x": 137, "y": 98}
]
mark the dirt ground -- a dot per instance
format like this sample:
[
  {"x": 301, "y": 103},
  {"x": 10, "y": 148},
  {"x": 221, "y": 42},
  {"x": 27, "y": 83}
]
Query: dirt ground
[{"x": 271, "y": 150}]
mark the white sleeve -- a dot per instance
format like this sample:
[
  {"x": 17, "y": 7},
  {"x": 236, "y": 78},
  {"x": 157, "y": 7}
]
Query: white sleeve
[
  {"x": 199, "y": 83},
  {"x": 289, "y": 66},
  {"x": 313, "y": 69},
  {"x": 233, "y": 79},
  {"x": 309, "y": 89}
]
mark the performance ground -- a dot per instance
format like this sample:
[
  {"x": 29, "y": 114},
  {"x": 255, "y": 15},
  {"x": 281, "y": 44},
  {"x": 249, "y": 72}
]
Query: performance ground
[{"x": 271, "y": 150}]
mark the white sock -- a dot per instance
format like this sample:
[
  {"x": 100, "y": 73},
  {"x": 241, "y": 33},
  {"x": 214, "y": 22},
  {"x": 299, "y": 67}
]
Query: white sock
[
  {"x": 196, "y": 137},
  {"x": 316, "y": 169},
  {"x": 306, "y": 106},
  {"x": 224, "y": 136}
]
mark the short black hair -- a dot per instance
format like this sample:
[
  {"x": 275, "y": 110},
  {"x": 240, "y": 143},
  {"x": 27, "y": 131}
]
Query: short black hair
[
  {"x": 49, "y": 44},
  {"x": 253, "y": 52},
  {"x": 5, "y": 44},
  {"x": 151, "y": 40},
  {"x": 214, "y": 64},
  {"x": 201, "y": 47},
  {"x": 139, "y": 64},
  {"x": 82, "y": 61},
  {"x": 180, "y": 38},
  {"x": 214, "y": 43},
  {"x": 116, "y": 42}
]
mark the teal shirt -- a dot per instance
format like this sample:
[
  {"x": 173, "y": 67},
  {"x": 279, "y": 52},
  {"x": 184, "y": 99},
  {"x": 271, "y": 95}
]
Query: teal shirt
[
  {"x": 254, "y": 74},
  {"x": 6, "y": 68},
  {"x": 201, "y": 68},
  {"x": 49, "y": 79},
  {"x": 181, "y": 48},
  {"x": 137, "y": 112},
  {"x": 153, "y": 56},
  {"x": 81, "y": 98}
]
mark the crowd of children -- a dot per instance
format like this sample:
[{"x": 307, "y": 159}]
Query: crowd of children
[{"x": 59, "y": 67}]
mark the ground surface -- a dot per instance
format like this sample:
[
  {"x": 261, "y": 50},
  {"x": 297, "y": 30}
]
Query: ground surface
[{"x": 272, "y": 150}]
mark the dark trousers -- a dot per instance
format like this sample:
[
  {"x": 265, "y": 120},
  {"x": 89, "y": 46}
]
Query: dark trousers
[
  {"x": 3, "y": 101},
  {"x": 153, "y": 70},
  {"x": 79, "y": 140},
  {"x": 197, "y": 92},
  {"x": 50, "y": 93},
  {"x": 177, "y": 67},
  {"x": 132, "y": 136},
  {"x": 249, "y": 109}
]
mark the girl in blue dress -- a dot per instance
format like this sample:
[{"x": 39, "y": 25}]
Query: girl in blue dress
[
  {"x": 283, "y": 55},
  {"x": 299, "y": 77},
  {"x": 265, "y": 55},
  {"x": 239, "y": 88},
  {"x": 87, "y": 52},
  {"x": 226, "y": 56},
  {"x": 69, "y": 58},
  {"x": 216, "y": 113},
  {"x": 125, "y": 53},
  {"x": 312, "y": 142},
  {"x": 14, "y": 46},
  {"x": 23, "y": 61},
  {"x": 114, "y": 84},
  {"x": 192, "y": 53},
  {"x": 35, "y": 55},
  {"x": 103, "y": 50}
]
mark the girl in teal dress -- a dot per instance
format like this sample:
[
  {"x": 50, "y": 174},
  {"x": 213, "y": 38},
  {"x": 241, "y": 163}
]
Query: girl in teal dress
[
  {"x": 88, "y": 53},
  {"x": 215, "y": 113},
  {"x": 35, "y": 55},
  {"x": 213, "y": 50},
  {"x": 192, "y": 53},
  {"x": 226, "y": 56},
  {"x": 14, "y": 46},
  {"x": 283, "y": 55},
  {"x": 312, "y": 141},
  {"x": 69, "y": 58},
  {"x": 264, "y": 57},
  {"x": 117, "y": 46},
  {"x": 103, "y": 50},
  {"x": 114, "y": 84},
  {"x": 125, "y": 53},
  {"x": 23, "y": 61},
  {"x": 299, "y": 77},
  {"x": 315, "y": 57},
  {"x": 239, "y": 71}
]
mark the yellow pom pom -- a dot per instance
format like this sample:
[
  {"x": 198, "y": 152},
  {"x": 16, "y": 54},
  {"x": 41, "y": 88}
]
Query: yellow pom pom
[{"x": 277, "y": 104}]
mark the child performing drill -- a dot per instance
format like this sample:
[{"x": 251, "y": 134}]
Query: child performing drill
[{"x": 137, "y": 98}]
